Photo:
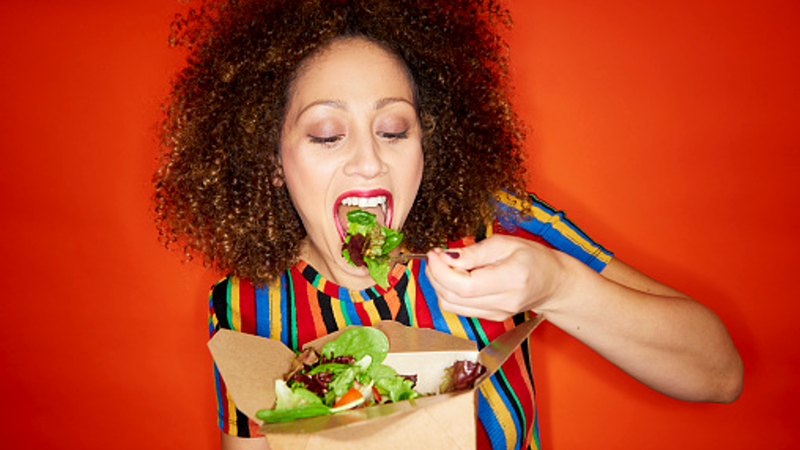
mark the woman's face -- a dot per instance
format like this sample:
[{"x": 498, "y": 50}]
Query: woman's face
[{"x": 351, "y": 139}]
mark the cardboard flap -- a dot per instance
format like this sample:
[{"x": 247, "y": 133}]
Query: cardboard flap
[
  {"x": 495, "y": 354},
  {"x": 422, "y": 339},
  {"x": 249, "y": 365}
]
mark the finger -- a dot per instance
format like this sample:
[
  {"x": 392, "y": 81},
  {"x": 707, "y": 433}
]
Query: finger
[
  {"x": 467, "y": 303},
  {"x": 486, "y": 252},
  {"x": 479, "y": 282}
]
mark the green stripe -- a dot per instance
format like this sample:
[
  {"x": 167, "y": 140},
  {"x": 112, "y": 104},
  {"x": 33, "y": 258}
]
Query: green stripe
[
  {"x": 412, "y": 316},
  {"x": 523, "y": 431},
  {"x": 229, "y": 309},
  {"x": 347, "y": 320},
  {"x": 291, "y": 331},
  {"x": 476, "y": 326}
]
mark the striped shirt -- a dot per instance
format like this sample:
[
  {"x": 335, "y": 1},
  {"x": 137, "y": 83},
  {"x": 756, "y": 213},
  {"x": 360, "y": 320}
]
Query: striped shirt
[{"x": 301, "y": 306}]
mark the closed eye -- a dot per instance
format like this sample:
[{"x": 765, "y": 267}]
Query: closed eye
[
  {"x": 324, "y": 139},
  {"x": 393, "y": 136}
]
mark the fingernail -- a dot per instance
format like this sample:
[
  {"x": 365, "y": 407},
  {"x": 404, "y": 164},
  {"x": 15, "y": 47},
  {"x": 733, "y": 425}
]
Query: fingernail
[{"x": 454, "y": 255}]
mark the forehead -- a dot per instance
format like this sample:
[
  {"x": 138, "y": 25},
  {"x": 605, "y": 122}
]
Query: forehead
[{"x": 351, "y": 67}]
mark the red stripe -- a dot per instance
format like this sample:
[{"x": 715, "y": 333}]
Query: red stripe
[
  {"x": 423, "y": 313},
  {"x": 362, "y": 313},
  {"x": 247, "y": 306},
  {"x": 331, "y": 289},
  {"x": 223, "y": 395},
  {"x": 522, "y": 233},
  {"x": 304, "y": 293},
  {"x": 482, "y": 438}
]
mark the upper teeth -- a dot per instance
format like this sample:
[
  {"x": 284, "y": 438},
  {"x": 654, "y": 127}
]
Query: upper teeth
[{"x": 366, "y": 202}]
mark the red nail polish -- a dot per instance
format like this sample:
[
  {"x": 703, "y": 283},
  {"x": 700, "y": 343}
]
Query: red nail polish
[{"x": 454, "y": 255}]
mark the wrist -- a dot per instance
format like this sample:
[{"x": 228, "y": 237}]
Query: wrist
[{"x": 569, "y": 277}]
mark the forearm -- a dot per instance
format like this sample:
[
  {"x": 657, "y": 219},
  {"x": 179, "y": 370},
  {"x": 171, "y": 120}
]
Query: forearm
[{"x": 664, "y": 339}]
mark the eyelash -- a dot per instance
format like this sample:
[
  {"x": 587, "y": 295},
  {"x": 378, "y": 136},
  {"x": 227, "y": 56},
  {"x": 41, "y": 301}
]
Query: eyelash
[
  {"x": 326, "y": 140},
  {"x": 330, "y": 140},
  {"x": 394, "y": 136}
]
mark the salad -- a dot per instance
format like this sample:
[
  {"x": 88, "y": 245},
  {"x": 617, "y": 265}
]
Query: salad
[
  {"x": 349, "y": 373},
  {"x": 368, "y": 243}
]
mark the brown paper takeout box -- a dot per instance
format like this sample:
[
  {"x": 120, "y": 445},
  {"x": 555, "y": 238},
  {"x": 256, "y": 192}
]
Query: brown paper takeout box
[{"x": 249, "y": 365}]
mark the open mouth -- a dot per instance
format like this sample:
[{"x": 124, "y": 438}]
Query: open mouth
[{"x": 374, "y": 201}]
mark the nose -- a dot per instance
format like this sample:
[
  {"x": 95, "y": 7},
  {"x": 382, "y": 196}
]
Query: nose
[{"x": 365, "y": 160}]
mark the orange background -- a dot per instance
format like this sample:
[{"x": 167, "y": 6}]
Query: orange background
[{"x": 667, "y": 130}]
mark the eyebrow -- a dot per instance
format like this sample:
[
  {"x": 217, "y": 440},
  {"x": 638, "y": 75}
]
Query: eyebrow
[{"x": 338, "y": 104}]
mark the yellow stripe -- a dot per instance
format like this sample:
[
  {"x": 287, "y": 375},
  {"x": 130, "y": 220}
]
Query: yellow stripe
[
  {"x": 214, "y": 321},
  {"x": 275, "y": 318},
  {"x": 236, "y": 315},
  {"x": 503, "y": 414},
  {"x": 455, "y": 325},
  {"x": 554, "y": 221},
  {"x": 411, "y": 295},
  {"x": 233, "y": 429},
  {"x": 372, "y": 312}
]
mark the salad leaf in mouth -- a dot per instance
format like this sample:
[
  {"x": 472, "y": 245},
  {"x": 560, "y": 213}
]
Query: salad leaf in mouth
[{"x": 367, "y": 243}]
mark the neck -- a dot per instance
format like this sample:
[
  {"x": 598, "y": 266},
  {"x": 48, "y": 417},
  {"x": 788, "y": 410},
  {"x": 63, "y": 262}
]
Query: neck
[{"x": 332, "y": 272}]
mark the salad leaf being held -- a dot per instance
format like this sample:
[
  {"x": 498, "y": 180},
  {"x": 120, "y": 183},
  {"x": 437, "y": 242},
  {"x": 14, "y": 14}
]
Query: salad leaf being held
[{"x": 368, "y": 243}]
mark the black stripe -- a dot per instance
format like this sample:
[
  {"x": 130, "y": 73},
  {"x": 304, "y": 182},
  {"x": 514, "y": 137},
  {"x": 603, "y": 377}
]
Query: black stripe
[
  {"x": 525, "y": 347},
  {"x": 400, "y": 289},
  {"x": 327, "y": 311},
  {"x": 309, "y": 273},
  {"x": 219, "y": 300},
  {"x": 477, "y": 331},
  {"x": 402, "y": 315},
  {"x": 383, "y": 308},
  {"x": 501, "y": 380},
  {"x": 516, "y": 406},
  {"x": 287, "y": 320},
  {"x": 242, "y": 424},
  {"x": 372, "y": 294}
]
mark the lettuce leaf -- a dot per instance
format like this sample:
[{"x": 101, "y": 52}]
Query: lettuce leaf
[
  {"x": 358, "y": 343},
  {"x": 373, "y": 246}
]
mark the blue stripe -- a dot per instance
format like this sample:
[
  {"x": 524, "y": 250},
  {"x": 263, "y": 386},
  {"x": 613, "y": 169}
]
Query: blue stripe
[
  {"x": 350, "y": 307},
  {"x": 497, "y": 437},
  {"x": 212, "y": 313},
  {"x": 262, "y": 311},
  {"x": 510, "y": 406},
  {"x": 467, "y": 326},
  {"x": 432, "y": 301},
  {"x": 218, "y": 383},
  {"x": 555, "y": 237}
]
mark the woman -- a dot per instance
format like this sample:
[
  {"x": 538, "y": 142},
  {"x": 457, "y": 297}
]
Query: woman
[{"x": 291, "y": 113}]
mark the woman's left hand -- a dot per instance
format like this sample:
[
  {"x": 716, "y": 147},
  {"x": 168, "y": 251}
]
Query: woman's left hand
[{"x": 497, "y": 277}]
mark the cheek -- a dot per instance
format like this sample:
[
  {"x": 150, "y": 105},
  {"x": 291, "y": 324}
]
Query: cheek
[
  {"x": 416, "y": 167},
  {"x": 294, "y": 175}
]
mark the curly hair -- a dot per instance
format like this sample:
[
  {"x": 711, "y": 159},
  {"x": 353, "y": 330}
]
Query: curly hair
[{"x": 214, "y": 189}]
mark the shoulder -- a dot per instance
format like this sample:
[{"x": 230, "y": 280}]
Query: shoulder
[
  {"x": 533, "y": 218},
  {"x": 228, "y": 299}
]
